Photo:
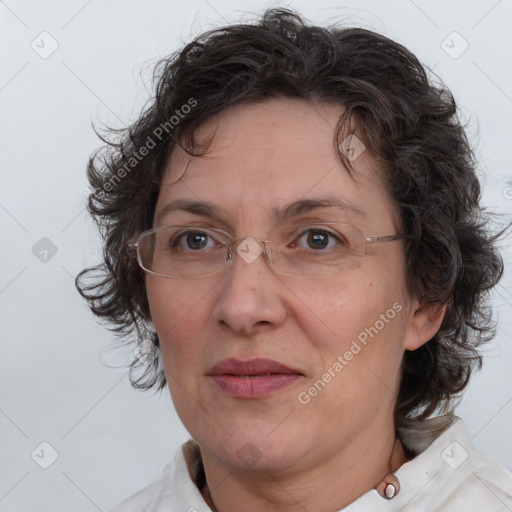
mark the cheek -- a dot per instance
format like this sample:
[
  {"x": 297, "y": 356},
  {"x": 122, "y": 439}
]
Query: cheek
[
  {"x": 364, "y": 353},
  {"x": 361, "y": 317},
  {"x": 178, "y": 314},
  {"x": 334, "y": 312}
]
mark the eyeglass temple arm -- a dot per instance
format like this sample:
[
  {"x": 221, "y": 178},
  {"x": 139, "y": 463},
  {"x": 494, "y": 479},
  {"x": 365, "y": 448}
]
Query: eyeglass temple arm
[
  {"x": 385, "y": 238},
  {"x": 131, "y": 247}
]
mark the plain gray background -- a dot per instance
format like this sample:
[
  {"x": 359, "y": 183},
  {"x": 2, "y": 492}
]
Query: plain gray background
[{"x": 62, "y": 380}]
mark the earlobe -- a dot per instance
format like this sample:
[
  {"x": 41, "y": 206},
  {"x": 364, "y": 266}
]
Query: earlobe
[{"x": 423, "y": 324}]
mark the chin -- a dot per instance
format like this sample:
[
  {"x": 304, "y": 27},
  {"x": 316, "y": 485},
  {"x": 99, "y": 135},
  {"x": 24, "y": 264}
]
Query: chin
[{"x": 253, "y": 449}]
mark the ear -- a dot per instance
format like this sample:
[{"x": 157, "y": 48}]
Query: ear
[{"x": 423, "y": 323}]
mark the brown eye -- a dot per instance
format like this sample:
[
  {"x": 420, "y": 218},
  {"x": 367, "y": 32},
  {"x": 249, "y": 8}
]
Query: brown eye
[
  {"x": 193, "y": 241},
  {"x": 318, "y": 239}
]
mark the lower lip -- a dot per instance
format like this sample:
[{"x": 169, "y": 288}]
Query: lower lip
[{"x": 254, "y": 387}]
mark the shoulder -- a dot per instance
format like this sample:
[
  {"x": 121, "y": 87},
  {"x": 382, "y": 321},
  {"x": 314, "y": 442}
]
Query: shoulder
[
  {"x": 141, "y": 500},
  {"x": 482, "y": 484},
  {"x": 176, "y": 490},
  {"x": 450, "y": 475}
]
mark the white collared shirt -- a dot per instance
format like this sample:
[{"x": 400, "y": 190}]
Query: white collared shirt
[{"x": 448, "y": 476}]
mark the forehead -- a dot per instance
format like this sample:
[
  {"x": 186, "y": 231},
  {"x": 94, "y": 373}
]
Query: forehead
[{"x": 270, "y": 154}]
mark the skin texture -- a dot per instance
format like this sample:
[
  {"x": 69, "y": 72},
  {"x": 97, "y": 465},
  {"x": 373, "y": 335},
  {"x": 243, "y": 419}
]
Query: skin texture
[{"x": 265, "y": 156}]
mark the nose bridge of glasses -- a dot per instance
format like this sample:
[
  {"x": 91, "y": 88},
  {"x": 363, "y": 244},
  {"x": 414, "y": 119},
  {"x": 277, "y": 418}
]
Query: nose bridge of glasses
[{"x": 248, "y": 248}]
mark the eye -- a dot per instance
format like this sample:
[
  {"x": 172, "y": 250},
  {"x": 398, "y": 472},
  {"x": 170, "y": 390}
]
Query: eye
[
  {"x": 193, "y": 241},
  {"x": 319, "y": 239}
]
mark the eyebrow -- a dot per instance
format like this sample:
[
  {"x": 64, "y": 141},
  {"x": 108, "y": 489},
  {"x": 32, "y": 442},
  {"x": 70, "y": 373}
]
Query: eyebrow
[
  {"x": 201, "y": 208},
  {"x": 293, "y": 209},
  {"x": 306, "y": 205}
]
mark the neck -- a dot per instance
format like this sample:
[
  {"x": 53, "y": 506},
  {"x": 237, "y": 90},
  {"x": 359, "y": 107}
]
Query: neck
[{"x": 313, "y": 488}]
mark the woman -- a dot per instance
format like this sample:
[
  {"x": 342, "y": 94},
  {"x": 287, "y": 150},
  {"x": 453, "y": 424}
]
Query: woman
[{"x": 294, "y": 222}]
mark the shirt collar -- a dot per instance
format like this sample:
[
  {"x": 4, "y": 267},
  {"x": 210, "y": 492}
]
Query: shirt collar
[{"x": 416, "y": 477}]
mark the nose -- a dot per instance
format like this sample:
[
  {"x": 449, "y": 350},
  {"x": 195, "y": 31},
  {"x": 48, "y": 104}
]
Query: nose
[{"x": 251, "y": 298}]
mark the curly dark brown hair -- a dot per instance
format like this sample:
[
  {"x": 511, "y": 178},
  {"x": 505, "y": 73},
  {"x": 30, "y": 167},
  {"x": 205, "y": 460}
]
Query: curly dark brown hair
[{"x": 408, "y": 122}]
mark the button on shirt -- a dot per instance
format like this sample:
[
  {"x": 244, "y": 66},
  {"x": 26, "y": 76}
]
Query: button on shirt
[{"x": 447, "y": 476}]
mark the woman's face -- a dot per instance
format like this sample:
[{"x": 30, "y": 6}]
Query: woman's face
[{"x": 342, "y": 338}]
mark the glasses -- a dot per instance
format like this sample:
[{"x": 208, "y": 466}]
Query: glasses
[{"x": 302, "y": 250}]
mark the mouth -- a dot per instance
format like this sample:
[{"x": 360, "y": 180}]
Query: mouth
[
  {"x": 256, "y": 378},
  {"x": 252, "y": 368}
]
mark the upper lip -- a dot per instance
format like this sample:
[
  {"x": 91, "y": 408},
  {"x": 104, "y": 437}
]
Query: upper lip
[{"x": 257, "y": 366}]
